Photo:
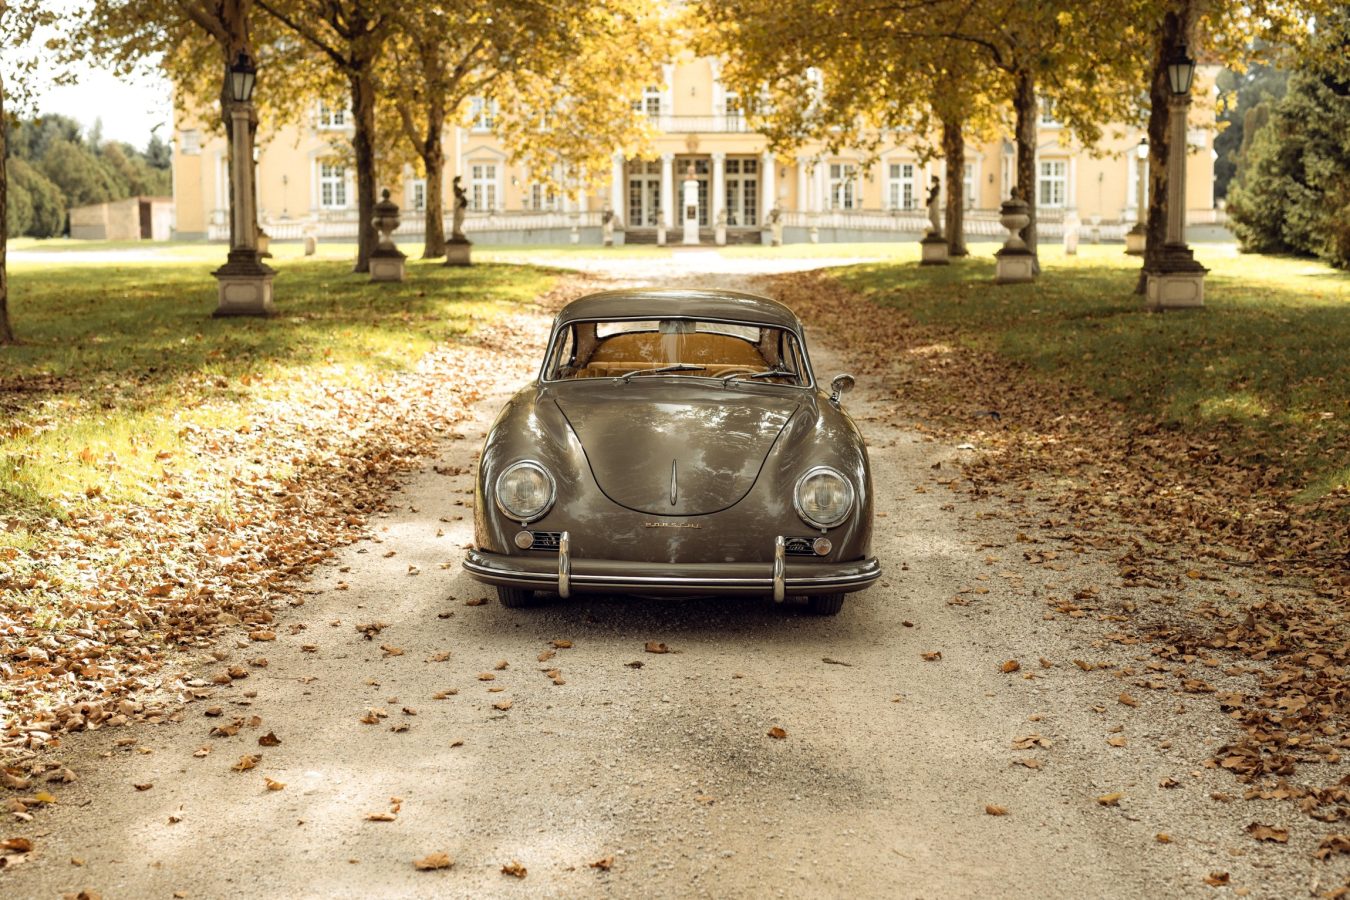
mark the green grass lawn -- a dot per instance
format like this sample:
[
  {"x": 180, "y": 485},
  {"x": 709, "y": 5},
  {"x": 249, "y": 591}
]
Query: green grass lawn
[
  {"x": 1266, "y": 363},
  {"x": 118, "y": 361}
]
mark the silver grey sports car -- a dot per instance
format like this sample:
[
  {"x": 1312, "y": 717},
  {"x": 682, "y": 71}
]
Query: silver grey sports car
[{"x": 675, "y": 442}]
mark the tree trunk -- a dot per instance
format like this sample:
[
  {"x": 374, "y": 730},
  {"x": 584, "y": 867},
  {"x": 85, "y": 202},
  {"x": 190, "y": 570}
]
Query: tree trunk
[
  {"x": 363, "y": 147},
  {"x": 6, "y": 331},
  {"x": 954, "y": 150},
  {"x": 1024, "y": 104},
  {"x": 433, "y": 159},
  {"x": 1173, "y": 34}
]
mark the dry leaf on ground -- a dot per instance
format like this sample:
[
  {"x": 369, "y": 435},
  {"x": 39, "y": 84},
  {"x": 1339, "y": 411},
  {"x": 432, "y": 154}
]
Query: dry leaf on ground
[{"x": 433, "y": 861}]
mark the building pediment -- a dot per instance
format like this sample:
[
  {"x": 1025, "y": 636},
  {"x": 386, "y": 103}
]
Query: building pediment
[{"x": 483, "y": 150}]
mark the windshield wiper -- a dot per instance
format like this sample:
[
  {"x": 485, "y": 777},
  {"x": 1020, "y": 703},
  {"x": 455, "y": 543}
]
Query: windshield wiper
[
  {"x": 677, "y": 367},
  {"x": 771, "y": 373}
]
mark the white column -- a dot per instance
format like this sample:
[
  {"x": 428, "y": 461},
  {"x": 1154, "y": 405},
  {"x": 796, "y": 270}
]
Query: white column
[
  {"x": 668, "y": 189},
  {"x": 617, "y": 184},
  {"x": 822, "y": 185},
  {"x": 719, "y": 190},
  {"x": 768, "y": 190},
  {"x": 802, "y": 205}
]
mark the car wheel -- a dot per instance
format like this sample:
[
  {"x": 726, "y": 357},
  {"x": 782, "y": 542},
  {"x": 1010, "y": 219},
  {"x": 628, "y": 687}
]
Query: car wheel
[
  {"x": 825, "y": 604},
  {"x": 514, "y": 597}
]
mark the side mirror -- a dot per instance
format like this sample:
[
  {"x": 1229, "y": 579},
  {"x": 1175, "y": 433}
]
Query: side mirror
[{"x": 840, "y": 386}]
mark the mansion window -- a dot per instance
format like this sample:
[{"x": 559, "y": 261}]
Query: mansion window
[
  {"x": 900, "y": 186},
  {"x": 332, "y": 116},
  {"x": 542, "y": 198},
  {"x": 968, "y": 186},
  {"x": 332, "y": 186},
  {"x": 483, "y": 113},
  {"x": 417, "y": 194},
  {"x": 1048, "y": 113},
  {"x": 843, "y": 186},
  {"x": 1052, "y": 183},
  {"x": 650, "y": 104},
  {"x": 483, "y": 187},
  {"x": 732, "y": 111}
]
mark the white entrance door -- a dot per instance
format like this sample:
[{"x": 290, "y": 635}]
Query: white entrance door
[
  {"x": 742, "y": 192},
  {"x": 644, "y": 194}
]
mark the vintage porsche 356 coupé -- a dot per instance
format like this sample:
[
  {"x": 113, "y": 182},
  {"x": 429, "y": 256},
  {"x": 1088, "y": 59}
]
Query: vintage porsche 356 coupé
[{"x": 675, "y": 442}]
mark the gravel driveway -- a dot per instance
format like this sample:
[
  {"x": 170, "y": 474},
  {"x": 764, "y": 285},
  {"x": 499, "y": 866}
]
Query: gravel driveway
[{"x": 630, "y": 773}]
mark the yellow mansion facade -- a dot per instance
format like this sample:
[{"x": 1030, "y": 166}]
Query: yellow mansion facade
[{"x": 304, "y": 188}]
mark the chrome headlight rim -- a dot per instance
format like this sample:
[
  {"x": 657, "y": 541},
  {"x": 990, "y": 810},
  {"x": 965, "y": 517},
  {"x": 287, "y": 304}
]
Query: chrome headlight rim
[
  {"x": 797, "y": 497},
  {"x": 514, "y": 516}
]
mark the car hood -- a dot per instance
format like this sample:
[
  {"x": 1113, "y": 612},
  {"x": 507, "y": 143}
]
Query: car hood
[{"x": 675, "y": 449}]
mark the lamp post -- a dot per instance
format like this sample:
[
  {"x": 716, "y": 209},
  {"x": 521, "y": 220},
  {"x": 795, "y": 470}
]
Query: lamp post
[
  {"x": 245, "y": 283},
  {"x": 1177, "y": 281},
  {"x": 1136, "y": 237}
]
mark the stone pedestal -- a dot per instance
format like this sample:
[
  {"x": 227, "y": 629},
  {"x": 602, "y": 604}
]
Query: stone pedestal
[
  {"x": 1178, "y": 282},
  {"x": 1014, "y": 267},
  {"x": 1071, "y": 226},
  {"x": 457, "y": 251},
  {"x": 815, "y": 234},
  {"x": 311, "y": 245},
  {"x": 387, "y": 268},
  {"x": 691, "y": 210},
  {"x": 1134, "y": 241},
  {"x": 933, "y": 250},
  {"x": 661, "y": 234},
  {"x": 244, "y": 287}
]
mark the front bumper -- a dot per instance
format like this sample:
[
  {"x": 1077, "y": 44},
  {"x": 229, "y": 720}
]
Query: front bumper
[{"x": 566, "y": 574}]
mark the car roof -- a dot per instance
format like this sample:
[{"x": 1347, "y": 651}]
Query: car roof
[{"x": 734, "y": 306}]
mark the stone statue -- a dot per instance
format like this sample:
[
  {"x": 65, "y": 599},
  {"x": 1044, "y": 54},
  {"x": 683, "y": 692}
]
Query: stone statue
[
  {"x": 461, "y": 204},
  {"x": 774, "y": 215},
  {"x": 934, "y": 220}
]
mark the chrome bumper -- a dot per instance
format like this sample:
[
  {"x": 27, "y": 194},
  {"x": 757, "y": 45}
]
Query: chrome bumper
[{"x": 567, "y": 575}]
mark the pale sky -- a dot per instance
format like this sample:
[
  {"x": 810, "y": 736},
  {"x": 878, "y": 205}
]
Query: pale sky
[{"x": 129, "y": 107}]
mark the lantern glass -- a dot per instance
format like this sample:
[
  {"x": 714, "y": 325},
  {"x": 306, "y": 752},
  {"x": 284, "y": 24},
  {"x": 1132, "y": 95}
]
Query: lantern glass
[
  {"x": 1180, "y": 71},
  {"x": 1142, "y": 150},
  {"x": 243, "y": 76}
]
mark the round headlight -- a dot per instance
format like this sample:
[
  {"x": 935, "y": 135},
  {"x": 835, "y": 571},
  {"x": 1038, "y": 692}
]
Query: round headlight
[
  {"x": 524, "y": 491},
  {"x": 823, "y": 497}
]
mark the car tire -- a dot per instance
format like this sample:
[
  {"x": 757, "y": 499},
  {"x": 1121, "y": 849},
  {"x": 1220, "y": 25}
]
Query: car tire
[
  {"x": 825, "y": 604},
  {"x": 514, "y": 597}
]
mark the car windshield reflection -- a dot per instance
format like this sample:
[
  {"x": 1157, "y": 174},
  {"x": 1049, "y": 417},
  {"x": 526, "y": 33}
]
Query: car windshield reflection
[{"x": 731, "y": 352}]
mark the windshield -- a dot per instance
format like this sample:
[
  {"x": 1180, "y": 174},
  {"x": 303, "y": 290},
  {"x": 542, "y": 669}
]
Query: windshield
[{"x": 677, "y": 348}]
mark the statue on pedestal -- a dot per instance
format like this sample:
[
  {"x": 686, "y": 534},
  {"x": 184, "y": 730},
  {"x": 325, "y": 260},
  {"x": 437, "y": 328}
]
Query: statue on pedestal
[
  {"x": 461, "y": 204},
  {"x": 934, "y": 220}
]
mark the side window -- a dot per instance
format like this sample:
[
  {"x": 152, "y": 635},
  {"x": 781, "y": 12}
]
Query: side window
[{"x": 563, "y": 354}]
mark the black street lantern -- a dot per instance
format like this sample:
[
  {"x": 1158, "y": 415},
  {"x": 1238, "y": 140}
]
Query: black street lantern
[
  {"x": 1180, "y": 71},
  {"x": 243, "y": 75}
]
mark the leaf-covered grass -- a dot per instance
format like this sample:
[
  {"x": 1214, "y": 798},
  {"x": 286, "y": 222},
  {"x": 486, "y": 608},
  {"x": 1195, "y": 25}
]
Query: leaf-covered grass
[
  {"x": 120, "y": 361},
  {"x": 1265, "y": 367}
]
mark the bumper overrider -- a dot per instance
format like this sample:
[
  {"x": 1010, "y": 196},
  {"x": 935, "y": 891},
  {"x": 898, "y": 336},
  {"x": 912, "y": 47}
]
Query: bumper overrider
[{"x": 566, "y": 574}]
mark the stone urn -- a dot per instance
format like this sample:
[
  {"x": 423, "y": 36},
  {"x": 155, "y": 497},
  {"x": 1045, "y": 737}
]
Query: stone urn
[
  {"x": 386, "y": 260},
  {"x": 1012, "y": 215},
  {"x": 1015, "y": 263}
]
